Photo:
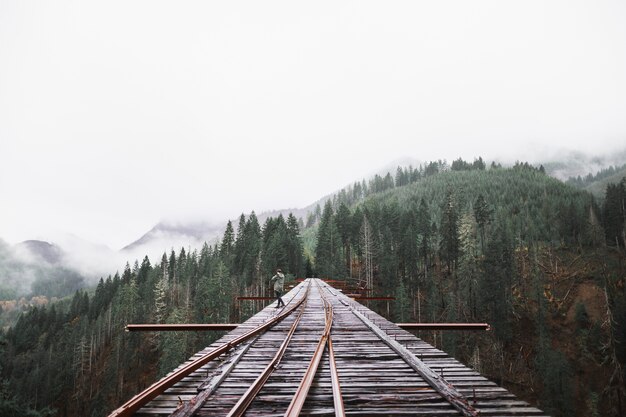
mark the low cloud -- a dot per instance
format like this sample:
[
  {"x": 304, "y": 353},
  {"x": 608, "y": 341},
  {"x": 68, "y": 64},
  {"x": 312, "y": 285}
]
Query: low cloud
[{"x": 24, "y": 271}]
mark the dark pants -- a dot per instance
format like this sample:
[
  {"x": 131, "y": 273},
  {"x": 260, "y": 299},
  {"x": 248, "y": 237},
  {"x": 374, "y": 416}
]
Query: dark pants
[{"x": 279, "y": 300}]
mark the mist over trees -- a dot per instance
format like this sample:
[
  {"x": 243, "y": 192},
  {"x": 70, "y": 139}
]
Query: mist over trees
[
  {"x": 466, "y": 242},
  {"x": 23, "y": 274}
]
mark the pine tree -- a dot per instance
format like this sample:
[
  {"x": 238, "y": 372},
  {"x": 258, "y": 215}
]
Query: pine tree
[
  {"x": 424, "y": 231},
  {"x": 468, "y": 264},
  {"x": 450, "y": 232},
  {"x": 173, "y": 278},
  {"x": 495, "y": 285},
  {"x": 409, "y": 253},
  {"x": 367, "y": 249},
  {"x": 343, "y": 220},
  {"x": 318, "y": 213},
  {"x": 328, "y": 249},
  {"x": 228, "y": 240},
  {"x": 479, "y": 164},
  {"x": 482, "y": 214},
  {"x": 126, "y": 276},
  {"x": 160, "y": 298},
  {"x": 294, "y": 247},
  {"x": 615, "y": 214},
  {"x": 173, "y": 345},
  {"x": 275, "y": 244},
  {"x": 252, "y": 252},
  {"x": 240, "y": 246},
  {"x": 402, "y": 304}
]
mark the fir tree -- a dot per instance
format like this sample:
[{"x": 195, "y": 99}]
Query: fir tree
[
  {"x": 450, "y": 231},
  {"x": 482, "y": 214},
  {"x": 294, "y": 247},
  {"x": 495, "y": 288},
  {"x": 615, "y": 214},
  {"x": 328, "y": 249},
  {"x": 228, "y": 240}
]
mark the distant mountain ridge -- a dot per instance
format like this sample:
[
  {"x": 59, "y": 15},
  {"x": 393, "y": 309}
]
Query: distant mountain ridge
[
  {"x": 177, "y": 234},
  {"x": 195, "y": 230},
  {"x": 46, "y": 251}
]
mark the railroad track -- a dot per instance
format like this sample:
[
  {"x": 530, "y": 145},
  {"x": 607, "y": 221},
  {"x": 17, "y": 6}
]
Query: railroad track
[{"x": 323, "y": 354}]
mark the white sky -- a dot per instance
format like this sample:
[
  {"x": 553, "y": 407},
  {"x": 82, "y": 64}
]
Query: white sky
[{"x": 116, "y": 114}]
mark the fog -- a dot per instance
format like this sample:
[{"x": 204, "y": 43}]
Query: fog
[
  {"x": 24, "y": 272},
  {"x": 117, "y": 115}
]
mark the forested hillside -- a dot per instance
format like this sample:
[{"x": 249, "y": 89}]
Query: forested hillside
[
  {"x": 540, "y": 260},
  {"x": 537, "y": 259},
  {"x": 74, "y": 356}
]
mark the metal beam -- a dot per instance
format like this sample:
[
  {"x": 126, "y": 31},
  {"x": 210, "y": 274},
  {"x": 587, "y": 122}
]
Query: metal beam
[
  {"x": 444, "y": 326},
  {"x": 255, "y": 298},
  {"x": 359, "y": 297},
  {"x": 232, "y": 326},
  {"x": 179, "y": 327}
]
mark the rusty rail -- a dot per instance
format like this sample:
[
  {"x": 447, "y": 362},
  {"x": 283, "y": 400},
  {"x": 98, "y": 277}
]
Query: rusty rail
[
  {"x": 135, "y": 403},
  {"x": 297, "y": 402},
  {"x": 334, "y": 378},
  {"x": 246, "y": 399},
  {"x": 334, "y": 375}
]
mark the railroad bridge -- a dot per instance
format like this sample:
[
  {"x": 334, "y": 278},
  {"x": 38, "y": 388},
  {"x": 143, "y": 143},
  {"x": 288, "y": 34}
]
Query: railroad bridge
[{"x": 323, "y": 354}]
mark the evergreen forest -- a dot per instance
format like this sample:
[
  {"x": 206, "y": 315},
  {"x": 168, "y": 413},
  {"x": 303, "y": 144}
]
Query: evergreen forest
[{"x": 543, "y": 262}]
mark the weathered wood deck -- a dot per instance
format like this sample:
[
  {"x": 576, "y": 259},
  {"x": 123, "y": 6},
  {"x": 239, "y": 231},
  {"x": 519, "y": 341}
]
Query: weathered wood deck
[{"x": 374, "y": 377}]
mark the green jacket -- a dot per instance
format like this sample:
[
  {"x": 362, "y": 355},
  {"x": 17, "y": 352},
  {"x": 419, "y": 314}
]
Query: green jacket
[{"x": 279, "y": 281}]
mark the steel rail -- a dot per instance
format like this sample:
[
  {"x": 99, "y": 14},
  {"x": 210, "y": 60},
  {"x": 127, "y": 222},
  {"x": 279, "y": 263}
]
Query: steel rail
[
  {"x": 334, "y": 375},
  {"x": 246, "y": 399},
  {"x": 334, "y": 379},
  {"x": 299, "y": 398},
  {"x": 135, "y": 403}
]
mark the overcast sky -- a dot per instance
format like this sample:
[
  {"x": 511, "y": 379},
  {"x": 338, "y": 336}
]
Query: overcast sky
[{"x": 117, "y": 114}]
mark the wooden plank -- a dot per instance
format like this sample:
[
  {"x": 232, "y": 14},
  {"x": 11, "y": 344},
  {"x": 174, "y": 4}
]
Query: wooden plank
[
  {"x": 206, "y": 388},
  {"x": 434, "y": 380}
]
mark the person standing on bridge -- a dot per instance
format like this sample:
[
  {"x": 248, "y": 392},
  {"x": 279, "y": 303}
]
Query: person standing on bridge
[{"x": 279, "y": 282}]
